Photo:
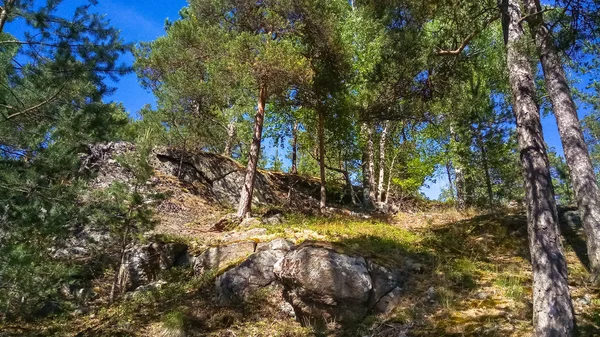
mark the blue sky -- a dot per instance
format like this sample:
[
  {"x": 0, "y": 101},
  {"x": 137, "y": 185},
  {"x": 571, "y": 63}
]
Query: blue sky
[
  {"x": 138, "y": 21},
  {"x": 144, "y": 21}
]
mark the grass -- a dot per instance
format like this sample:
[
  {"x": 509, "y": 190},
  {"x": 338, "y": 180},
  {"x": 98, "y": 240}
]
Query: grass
[
  {"x": 475, "y": 280},
  {"x": 512, "y": 285}
]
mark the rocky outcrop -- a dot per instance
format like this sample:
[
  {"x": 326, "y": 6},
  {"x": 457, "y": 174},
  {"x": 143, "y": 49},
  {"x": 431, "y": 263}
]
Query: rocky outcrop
[
  {"x": 321, "y": 283},
  {"x": 222, "y": 175},
  {"x": 216, "y": 177},
  {"x": 318, "y": 282},
  {"x": 142, "y": 264},
  {"x": 222, "y": 256},
  {"x": 253, "y": 274}
]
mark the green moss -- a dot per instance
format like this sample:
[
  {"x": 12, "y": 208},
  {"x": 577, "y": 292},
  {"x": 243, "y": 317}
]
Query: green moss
[{"x": 511, "y": 285}]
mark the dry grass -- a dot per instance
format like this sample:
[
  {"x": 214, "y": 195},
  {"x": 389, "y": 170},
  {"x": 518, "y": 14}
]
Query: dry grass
[{"x": 475, "y": 280}]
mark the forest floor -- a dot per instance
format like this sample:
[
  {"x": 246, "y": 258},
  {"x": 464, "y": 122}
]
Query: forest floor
[{"x": 471, "y": 277}]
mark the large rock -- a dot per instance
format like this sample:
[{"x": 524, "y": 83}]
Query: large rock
[
  {"x": 254, "y": 273},
  {"x": 384, "y": 281},
  {"x": 142, "y": 264},
  {"x": 222, "y": 174},
  {"x": 222, "y": 256},
  {"x": 277, "y": 244},
  {"x": 323, "y": 284}
]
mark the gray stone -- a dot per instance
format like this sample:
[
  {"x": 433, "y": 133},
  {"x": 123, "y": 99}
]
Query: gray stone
[
  {"x": 250, "y": 222},
  {"x": 143, "y": 263},
  {"x": 276, "y": 219},
  {"x": 389, "y": 301},
  {"x": 482, "y": 295},
  {"x": 323, "y": 284},
  {"x": 384, "y": 280},
  {"x": 144, "y": 289},
  {"x": 277, "y": 244},
  {"x": 431, "y": 294},
  {"x": 254, "y": 273},
  {"x": 221, "y": 256},
  {"x": 571, "y": 218},
  {"x": 81, "y": 311}
]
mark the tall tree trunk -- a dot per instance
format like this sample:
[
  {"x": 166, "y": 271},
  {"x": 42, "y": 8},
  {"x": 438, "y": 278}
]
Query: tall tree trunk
[
  {"x": 488, "y": 179},
  {"x": 246, "y": 194},
  {"x": 384, "y": 132},
  {"x": 449, "y": 173},
  {"x": 367, "y": 165},
  {"x": 344, "y": 167},
  {"x": 486, "y": 169},
  {"x": 321, "y": 132},
  {"x": 459, "y": 176},
  {"x": 552, "y": 308},
  {"x": 389, "y": 182},
  {"x": 295, "y": 148},
  {"x": 371, "y": 164},
  {"x": 577, "y": 156},
  {"x": 4, "y": 13},
  {"x": 230, "y": 138}
]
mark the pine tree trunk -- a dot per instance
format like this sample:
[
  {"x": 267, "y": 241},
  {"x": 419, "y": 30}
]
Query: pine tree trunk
[
  {"x": 577, "y": 156},
  {"x": 321, "y": 136},
  {"x": 230, "y": 138},
  {"x": 295, "y": 149},
  {"x": 382, "y": 141},
  {"x": 367, "y": 166},
  {"x": 246, "y": 194},
  {"x": 552, "y": 309}
]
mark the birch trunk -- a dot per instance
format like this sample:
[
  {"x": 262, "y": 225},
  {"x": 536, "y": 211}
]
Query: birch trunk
[
  {"x": 344, "y": 168},
  {"x": 4, "y": 13},
  {"x": 389, "y": 182},
  {"x": 230, "y": 138},
  {"x": 382, "y": 141},
  {"x": 248, "y": 188},
  {"x": 295, "y": 148},
  {"x": 459, "y": 177},
  {"x": 587, "y": 193},
  {"x": 449, "y": 173},
  {"x": 552, "y": 309},
  {"x": 371, "y": 163},
  {"x": 367, "y": 165},
  {"x": 321, "y": 135}
]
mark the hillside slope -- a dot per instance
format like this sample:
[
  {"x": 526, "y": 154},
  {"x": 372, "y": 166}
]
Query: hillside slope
[{"x": 434, "y": 273}]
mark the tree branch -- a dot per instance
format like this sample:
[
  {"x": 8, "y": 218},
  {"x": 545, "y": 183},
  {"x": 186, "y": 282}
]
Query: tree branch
[
  {"x": 35, "y": 107},
  {"x": 529, "y": 16},
  {"x": 467, "y": 40}
]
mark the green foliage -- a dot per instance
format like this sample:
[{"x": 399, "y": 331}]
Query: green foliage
[
  {"x": 561, "y": 179},
  {"x": 51, "y": 94}
]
